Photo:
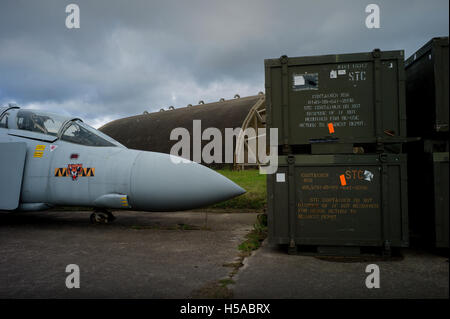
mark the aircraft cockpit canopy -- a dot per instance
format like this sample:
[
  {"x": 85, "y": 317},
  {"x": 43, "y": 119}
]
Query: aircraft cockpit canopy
[
  {"x": 80, "y": 133},
  {"x": 66, "y": 128},
  {"x": 40, "y": 122}
]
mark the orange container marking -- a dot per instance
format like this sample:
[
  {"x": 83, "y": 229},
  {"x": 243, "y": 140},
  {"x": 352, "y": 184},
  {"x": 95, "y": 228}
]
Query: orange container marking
[
  {"x": 343, "y": 181},
  {"x": 331, "y": 128}
]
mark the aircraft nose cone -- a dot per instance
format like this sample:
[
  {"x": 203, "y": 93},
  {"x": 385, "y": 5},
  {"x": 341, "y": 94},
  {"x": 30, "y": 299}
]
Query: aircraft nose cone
[{"x": 161, "y": 182}]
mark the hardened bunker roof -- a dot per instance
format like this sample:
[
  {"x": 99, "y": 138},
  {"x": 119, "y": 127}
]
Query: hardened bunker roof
[{"x": 151, "y": 131}]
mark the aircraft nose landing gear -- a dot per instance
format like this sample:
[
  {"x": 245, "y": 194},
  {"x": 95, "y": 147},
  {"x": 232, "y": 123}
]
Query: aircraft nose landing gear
[{"x": 102, "y": 216}]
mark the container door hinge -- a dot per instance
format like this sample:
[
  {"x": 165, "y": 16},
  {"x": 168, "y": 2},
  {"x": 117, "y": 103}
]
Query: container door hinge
[
  {"x": 383, "y": 158},
  {"x": 291, "y": 160}
]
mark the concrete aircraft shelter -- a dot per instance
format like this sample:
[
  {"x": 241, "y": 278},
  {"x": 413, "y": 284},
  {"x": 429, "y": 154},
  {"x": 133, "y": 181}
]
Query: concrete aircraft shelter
[{"x": 151, "y": 131}]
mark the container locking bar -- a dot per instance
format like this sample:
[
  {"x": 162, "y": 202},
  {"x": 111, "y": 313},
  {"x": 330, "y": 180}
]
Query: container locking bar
[{"x": 292, "y": 207}]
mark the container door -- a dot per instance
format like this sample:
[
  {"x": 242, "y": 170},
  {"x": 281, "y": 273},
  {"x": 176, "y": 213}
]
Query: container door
[{"x": 339, "y": 205}]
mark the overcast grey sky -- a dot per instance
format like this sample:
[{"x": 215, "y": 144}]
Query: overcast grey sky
[{"x": 131, "y": 56}]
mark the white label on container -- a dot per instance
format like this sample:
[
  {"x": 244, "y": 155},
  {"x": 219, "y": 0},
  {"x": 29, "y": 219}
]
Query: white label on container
[
  {"x": 299, "y": 80},
  {"x": 368, "y": 176},
  {"x": 333, "y": 74},
  {"x": 342, "y": 72},
  {"x": 281, "y": 178}
]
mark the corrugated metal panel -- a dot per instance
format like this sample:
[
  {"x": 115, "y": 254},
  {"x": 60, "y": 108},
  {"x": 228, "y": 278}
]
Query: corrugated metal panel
[{"x": 151, "y": 132}]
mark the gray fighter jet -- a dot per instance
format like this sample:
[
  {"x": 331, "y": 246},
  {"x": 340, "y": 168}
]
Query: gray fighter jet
[{"x": 49, "y": 160}]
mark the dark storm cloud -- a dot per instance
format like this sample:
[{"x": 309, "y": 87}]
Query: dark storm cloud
[{"x": 130, "y": 56}]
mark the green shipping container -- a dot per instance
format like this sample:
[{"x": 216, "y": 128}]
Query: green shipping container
[
  {"x": 427, "y": 89},
  {"x": 344, "y": 98},
  {"x": 428, "y": 198},
  {"x": 441, "y": 191},
  {"x": 339, "y": 200}
]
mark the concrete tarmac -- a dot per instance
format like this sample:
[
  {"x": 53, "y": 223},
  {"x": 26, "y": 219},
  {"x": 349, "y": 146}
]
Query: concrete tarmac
[
  {"x": 184, "y": 255},
  {"x": 139, "y": 255},
  {"x": 271, "y": 273}
]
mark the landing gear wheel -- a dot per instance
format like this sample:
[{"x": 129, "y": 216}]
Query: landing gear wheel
[
  {"x": 102, "y": 217},
  {"x": 111, "y": 217},
  {"x": 99, "y": 218}
]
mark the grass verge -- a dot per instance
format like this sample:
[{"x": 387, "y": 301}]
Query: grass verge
[
  {"x": 255, "y": 237},
  {"x": 220, "y": 289},
  {"x": 255, "y": 185}
]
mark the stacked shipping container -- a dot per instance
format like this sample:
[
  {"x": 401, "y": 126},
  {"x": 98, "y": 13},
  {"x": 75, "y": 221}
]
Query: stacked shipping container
[
  {"x": 341, "y": 182},
  {"x": 427, "y": 109}
]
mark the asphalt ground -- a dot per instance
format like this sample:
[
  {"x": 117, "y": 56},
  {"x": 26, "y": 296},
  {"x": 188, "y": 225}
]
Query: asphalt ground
[
  {"x": 271, "y": 273},
  {"x": 188, "y": 255},
  {"x": 139, "y": 255}
]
